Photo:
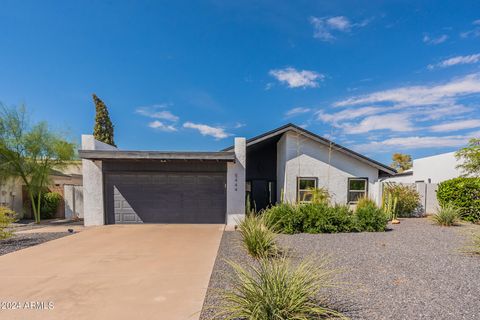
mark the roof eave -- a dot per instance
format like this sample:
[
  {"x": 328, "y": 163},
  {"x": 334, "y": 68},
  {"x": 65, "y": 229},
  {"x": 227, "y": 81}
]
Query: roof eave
[
  {"x": 154, "y": 155},
  {"x": 291, "y": 126}
]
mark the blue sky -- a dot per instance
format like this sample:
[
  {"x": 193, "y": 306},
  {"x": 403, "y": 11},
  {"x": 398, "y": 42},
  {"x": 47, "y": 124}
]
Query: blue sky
[{"x": 378, "y": 76}]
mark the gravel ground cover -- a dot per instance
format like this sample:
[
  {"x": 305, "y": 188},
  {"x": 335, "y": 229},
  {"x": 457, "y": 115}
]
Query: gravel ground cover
[
  {"x": 22, "y": 241},
  {"x": 416, "y": 270}
]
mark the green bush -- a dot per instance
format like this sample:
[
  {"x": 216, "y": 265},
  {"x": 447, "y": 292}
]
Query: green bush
[
  {"x": 321, "y": 218},
  {"x": 49, "y": 204},
  {"x": 408, "y": 199},
  {"x": 284, "y": 218},
  {"x": 370, "y": 217},
  {"x": 257, "y": 238},
  {"x": 277, "y": 289},
  {"x": 7, "y": 217},
  {"x": 463, "y": 193},
  {"x": 447, "y": 215}
]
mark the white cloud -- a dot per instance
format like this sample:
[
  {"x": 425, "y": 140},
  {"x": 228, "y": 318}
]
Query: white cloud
[
  {"x": 296, "y": 78},
  {"x": 475, "y": 32},
  {"x": 239, "y": 125},
  {"x": 393, "y": 122},
  {"x": 420, "y": 95},
  {"x": 339, "y": 23},
  {"x": 456, "y": 125},
  {"x": 158, "y": 125},
  {"x": 473, "y": 58},
  {"x": 413, "y": 142},
  {"x": 296, "y": 111},
  {"x": 157, "y": 112},
  {"x": 206, "y": 130},
  {"x": 325, "y": 27},
  {"x": 435, "y": 40},
  {"x": 347, "y": 114}
]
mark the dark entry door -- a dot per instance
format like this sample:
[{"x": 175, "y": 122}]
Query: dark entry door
[
  {"x": 263, "y": 193},
  {"x": 166, "y": 197}
]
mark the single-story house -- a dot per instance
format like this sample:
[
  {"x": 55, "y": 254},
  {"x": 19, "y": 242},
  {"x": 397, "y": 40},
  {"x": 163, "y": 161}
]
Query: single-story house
[
  {"x": 14, "y": 195},
  {"x": 211, "y": 187}
]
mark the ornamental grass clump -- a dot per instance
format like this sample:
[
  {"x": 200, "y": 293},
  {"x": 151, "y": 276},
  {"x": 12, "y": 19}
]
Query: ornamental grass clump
[
  {"x": 277, "y": 289},
  {"x": 476, "y": 244},
  {"x": 257, "y": 238},
  {"x": 447, "y": 215}
]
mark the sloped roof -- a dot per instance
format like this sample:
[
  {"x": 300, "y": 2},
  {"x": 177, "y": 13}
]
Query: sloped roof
[{"x": 291, "y": 127}]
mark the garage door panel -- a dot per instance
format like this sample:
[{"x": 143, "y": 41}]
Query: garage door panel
[{"x": 166, "y": 197}]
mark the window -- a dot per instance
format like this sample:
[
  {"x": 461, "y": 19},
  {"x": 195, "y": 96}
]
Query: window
[
  {"x": 357, "y": 188},
  {"x": 304, "y": 189}
]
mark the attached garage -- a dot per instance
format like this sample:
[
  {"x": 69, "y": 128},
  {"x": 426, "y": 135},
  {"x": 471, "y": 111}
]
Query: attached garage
[
  {"x": 158, "y": 187},
  {"x": 173, "y": 193}
]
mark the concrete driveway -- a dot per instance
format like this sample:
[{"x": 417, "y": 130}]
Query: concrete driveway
[{"x": 112, "y": 272}]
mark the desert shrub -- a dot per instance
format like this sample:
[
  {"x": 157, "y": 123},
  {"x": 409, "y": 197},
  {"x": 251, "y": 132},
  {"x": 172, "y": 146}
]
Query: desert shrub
[
  {"x": 370, "y": 217},
  {"x": 284, "y": 218},
  {"x": 277, "y": 289},
  {"x": 257, "y": 238},
  {"x": 7, "y": 217},
  {"x": 321, "y": 218},
  {"x": 447, "y": 215},
  {"x": 49, "y": 204},
  {"x": 320, "y": 195},
  {"x": 463, "y": 193},
  {"x": 408, "y": 199}
]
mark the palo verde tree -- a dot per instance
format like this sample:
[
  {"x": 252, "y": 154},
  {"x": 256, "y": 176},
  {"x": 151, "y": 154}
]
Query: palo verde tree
[
  {"x": 401, "y": 162},
  {"x": 470, "y": 156},
  {"x": 30, "y": 153},
  {"x": 103, "y": 130}
]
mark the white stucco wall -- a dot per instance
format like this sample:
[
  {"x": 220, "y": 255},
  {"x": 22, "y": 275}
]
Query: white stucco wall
[
  {"x": 299, "y": 156},
  {"x": 11, "y": 195},
  {"x": 93, "y": 183},
  {"x": 434, "y": 169},
  {"x": 236, "y": 183},
  {"x": 73, "y": 199},
  {"x": 437, "y": 168}
]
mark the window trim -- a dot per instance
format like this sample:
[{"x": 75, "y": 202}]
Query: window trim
[
  {"x": 348, "y": 188},
  {"x": 298, "y": 187}
]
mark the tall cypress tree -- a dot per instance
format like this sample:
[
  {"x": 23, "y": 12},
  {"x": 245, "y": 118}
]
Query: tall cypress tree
[{"x": 103, "y": 130}]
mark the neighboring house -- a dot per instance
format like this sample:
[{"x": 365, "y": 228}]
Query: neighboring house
[
  {"x": 425, "y": 174},
  {"x": 14, "y": 195},
  {"x": 210, "y": 187}
]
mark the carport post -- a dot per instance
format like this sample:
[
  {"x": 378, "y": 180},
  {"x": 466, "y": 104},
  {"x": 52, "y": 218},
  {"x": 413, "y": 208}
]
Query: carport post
[{"x": 236, "y": 183}]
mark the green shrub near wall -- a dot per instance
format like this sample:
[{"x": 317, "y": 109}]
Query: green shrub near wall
[
  {"x": 408, "y": 198},
  {"x": 322, "y": 218},
  {"x": 49, "y": 204},
  {"x": 463, "y": 193}
]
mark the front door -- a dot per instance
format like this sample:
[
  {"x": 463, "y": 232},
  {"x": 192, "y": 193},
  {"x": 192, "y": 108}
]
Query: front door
[{"x": 262, "y": 194}]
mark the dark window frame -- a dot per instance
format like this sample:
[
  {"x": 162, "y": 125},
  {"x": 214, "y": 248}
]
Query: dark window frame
[
  {"x": 349, "y": 201},
  {"x": 298, "y": 187}
]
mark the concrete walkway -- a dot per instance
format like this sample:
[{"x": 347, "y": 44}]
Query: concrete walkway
[{"x": 113, "y": 272}]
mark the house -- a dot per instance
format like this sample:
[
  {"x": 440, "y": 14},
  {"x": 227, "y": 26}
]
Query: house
[
  {"x": 210, "y": 187},
  {"x": 426, "y": 173},
  {"x": 14, "y": 195}
]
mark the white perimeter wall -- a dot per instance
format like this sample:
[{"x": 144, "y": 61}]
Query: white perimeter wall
[
  {"x": 93, "y": 183},
  {"x": 436, "y": 168},
  {"x": 299, "y": 156}
]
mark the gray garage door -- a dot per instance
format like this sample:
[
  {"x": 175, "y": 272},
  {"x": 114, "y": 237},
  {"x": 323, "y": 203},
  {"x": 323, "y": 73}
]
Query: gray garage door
[{"x": 166, "y": 197}]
